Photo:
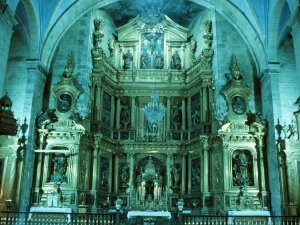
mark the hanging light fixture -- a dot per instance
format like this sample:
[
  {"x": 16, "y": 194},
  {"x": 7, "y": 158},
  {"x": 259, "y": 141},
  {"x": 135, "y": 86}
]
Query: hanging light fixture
[{"x": 154, "y": 111}]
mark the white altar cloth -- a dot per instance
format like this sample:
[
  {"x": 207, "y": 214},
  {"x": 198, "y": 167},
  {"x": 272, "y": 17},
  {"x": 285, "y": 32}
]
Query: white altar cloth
[
  {"x": 131, "y": 214},
  {"x": 51, "y": 210},
  {"x": 232, "y": 214}
]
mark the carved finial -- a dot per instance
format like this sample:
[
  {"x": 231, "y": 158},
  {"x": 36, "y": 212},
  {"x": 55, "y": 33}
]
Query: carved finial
[
  {"x": 235, "y": 69},
  {"x": 98, "y": 24},
  {"x": 298, "y": 102},
  {"x": 208, "y": 24},
  {"x": 69, "y": 67}
]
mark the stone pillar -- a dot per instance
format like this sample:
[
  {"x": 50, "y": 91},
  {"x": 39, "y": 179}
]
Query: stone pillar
[
  {"x": 183, "y": 179},
  {"x": 295, "y": 24},
  {"x": 226, "y": 164},
  {"x": 39, "y": 161},
  {"x": 35, "y": 83},
  {"x": 94, "y": 176},
  {"x": 189, "y": 173},
  {"x": 110, "y": 174},
  {"x": 183, "y": 56},
  {"x": 168, "y": 113},
  {"x": 113, "y": 111},
  {"x": 93, "y": 100},
  {"x": 118, "y": 125},
  {"x": 95, "y": 168},
  {"x": 189, "y": 109},
  {"x": 134, "y": 55},
  {"x": 7, "y": 21},
  {"x": 99, "y": 101},
  {"x": 168, "y": 173},
  {"x": 116, "y": 189},
  {"x": 132, "y": 117},
  {"x": 131, "y": 158},
  {"x": 271, "y": 109},
  {"x": 205, "y": 167},
  {"x": 46, "y": 167},
  {"x": 75, "y": 163},
  {"x": 183, "y": 110}
]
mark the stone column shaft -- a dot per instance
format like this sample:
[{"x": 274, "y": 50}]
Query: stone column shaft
[
  {"x": 183, "y": 110},
  {"x": 118, "y": 113},
  {"x": 189, "y": 109},
  {"x": 95, "y": 168},
  {"x": 132, "y": 117},
  {"x": 131, "y": 157},
  {"x": 116, "y": 171},
  {"x": 7, "y": 21},
  {"x": 205, "y": 166},
  {"x": 168, "y": 113},
  {"x": 98, "y": 100},
  {"x": 295, "y": 24},
  {"x": 183, "y": 180},
  {"x": 168, "y": 178},
  {"x": 46, "y": 168},
  {"x": 113, "y": 111}
]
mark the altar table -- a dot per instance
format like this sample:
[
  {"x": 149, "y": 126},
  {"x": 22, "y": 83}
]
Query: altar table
[
  {"x": 232, "y": 214},
  {"x": 131, "y": 214},
  {"x": 67, "y": 211}
]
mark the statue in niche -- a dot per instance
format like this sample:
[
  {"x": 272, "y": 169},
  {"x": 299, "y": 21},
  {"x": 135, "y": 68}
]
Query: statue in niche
[
  {"x": 176, "y": 61},
  {"x": 104, "y": 168},
  {"x": 144, "y": 60},
  {"x": 125, "y": 115},
  {"x": 176, "y": 118},
  {"x": 195, "y": 171},
  {"x": 64, "y": 103},
  {"x": 60, "y": 168},
  {"x": 124, "y": 174},
  {"x": 195, "y": 118},
  {"x": 157, "y": 182},
  {"x": 241, "y": 175},
  {"x": 127, "y": 59},
  {"x": 159, "y": 61},
  {"x": 176, "y": 172}
]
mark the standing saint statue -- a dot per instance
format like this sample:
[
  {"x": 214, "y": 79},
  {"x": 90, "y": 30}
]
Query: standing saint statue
[
  {"x": 176, "y": 64},
  {"x": 159, "y": 60},
  {"x": 144, "y": 60},
  {"x": 127, "y": 59},
  {"x": 157, "y": 182}
]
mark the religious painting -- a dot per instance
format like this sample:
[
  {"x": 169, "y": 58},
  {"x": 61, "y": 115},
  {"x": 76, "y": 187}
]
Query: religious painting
[
  {"x": 152, "y": 51},
  {"x": 106, "y": 109},
  {"x": 195, "y": 174},
  {"x": 64, "y": 103},
  {"x": 242, "y": 168},
  {"x": 195, "y": 109},
  {"x": 238, "y": 105}
]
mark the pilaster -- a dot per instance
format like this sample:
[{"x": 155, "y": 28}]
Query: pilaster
[
  {"x": 294, "y": 22},
  {"x": 7, "y": 21}
]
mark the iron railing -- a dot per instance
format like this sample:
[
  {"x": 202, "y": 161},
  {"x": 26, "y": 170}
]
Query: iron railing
[{"x": 35, "y": 218}]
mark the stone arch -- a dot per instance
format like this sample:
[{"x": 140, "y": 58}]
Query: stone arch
[
  {"x": 78, "y": 9},
  {"x": 272, "y": 42},
  {"x": 33, "y": 35},
  {"x": 236, "y": 18}
]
